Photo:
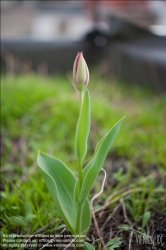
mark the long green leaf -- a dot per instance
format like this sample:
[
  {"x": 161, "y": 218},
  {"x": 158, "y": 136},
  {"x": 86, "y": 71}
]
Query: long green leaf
[
  {"x": 83, "y": 128},
  {"x": 96, "y": 164},
  {"x": 61, "y": 182}
]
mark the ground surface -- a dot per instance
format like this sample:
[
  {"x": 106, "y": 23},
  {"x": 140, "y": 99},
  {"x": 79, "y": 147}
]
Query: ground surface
[{"x": 41, "y": 113}]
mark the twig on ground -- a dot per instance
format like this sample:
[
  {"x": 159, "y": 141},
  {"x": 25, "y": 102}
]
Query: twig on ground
[
  {"x": 107, "y": 204},
  {"x": 110, "y": 216},
  {"x": 73, "y": 239},
  {"x": 43, "y": 228},
  {"x": 51, "y": 240},
  {"x": 128, "y": 221},
  {"x": 93, "y": 213},
  {"x": 39, "y": 231},
  {"x": 110, "y": 200}
]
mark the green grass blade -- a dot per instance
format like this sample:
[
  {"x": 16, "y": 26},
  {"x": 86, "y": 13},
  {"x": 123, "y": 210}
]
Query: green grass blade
[
  {"x": 146, "y": 217},
  {"x": 97, "y": 163},
  {"x": 83, "y": 128},
  {"x": 88, "y": 246}
]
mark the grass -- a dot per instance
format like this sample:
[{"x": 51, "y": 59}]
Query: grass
[{"x": 41, "y": 113}]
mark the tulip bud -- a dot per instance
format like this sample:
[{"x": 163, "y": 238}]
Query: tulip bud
[{"x": 80, "y": 72}]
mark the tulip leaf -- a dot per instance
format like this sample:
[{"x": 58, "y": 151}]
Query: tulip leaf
[
  {"x": 60, "y": 182},
  {"x": 92, "y": 170},
  {"x": 83, "y": 128}
]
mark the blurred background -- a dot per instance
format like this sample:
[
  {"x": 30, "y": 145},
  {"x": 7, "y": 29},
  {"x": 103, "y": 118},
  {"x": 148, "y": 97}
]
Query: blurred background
[
  {"x": 124, "y": 45},
  {"x": 126, "y": 39}
]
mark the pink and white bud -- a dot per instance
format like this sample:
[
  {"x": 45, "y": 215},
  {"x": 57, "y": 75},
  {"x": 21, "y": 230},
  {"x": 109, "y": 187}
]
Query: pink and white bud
[{"x": 80, "y": 72}]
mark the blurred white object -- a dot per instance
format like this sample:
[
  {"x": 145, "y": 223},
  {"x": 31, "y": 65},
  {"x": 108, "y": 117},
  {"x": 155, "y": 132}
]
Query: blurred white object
[
  {"x": 159, "y": 9},
  {"x": 60, "y": 26},
  {"x": 159, "y": 30}
]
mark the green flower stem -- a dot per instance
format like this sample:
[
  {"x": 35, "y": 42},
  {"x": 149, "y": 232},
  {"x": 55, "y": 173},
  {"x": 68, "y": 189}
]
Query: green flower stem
[
  {"x": 78, "y": 226},
  {"x": 80, "y": 177},
  {"x": 81, "y": 98},
  {"x": 80, "y": 180},
  {"x": 79, "y": 218},
  {"x": 80, "y": 207}
]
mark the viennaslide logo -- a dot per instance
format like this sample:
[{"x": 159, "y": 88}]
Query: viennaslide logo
[{"x": 156, "y": 241}]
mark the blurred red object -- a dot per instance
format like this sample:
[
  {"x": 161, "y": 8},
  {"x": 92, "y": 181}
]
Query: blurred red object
[{"x": 116, "y": 4}]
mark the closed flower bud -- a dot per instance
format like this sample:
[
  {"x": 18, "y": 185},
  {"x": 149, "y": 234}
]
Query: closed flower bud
[{"x": 80, "y": 72}]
